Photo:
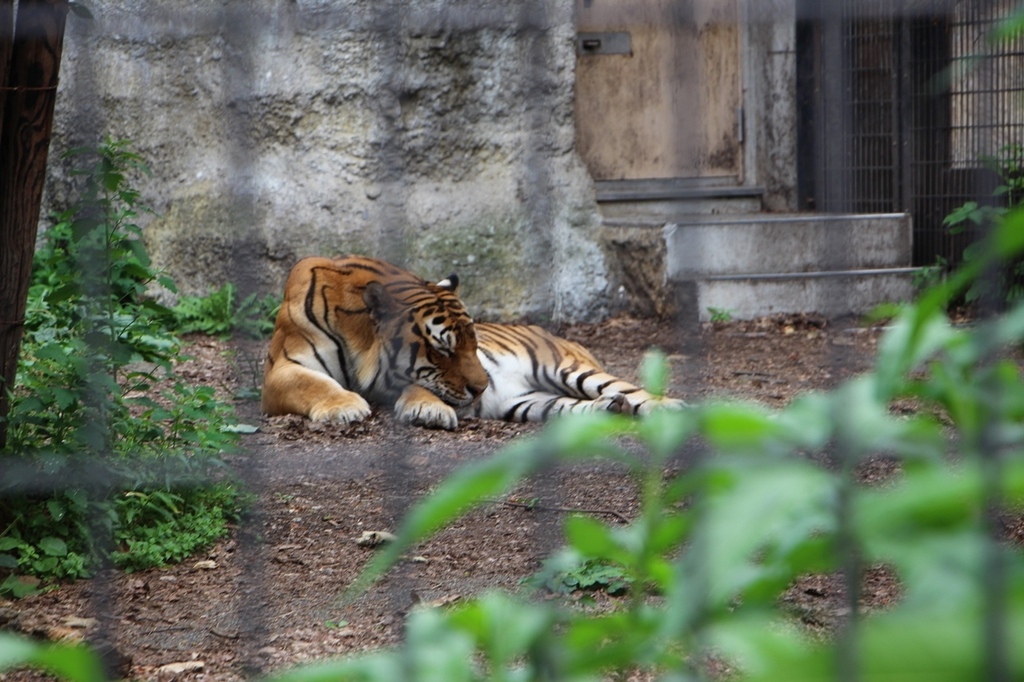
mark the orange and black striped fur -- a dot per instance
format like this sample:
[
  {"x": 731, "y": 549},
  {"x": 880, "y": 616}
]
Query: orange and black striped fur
[{"x": 355, "y": 329}]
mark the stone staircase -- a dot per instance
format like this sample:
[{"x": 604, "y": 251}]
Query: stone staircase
[{"x": 700, "y": 255}]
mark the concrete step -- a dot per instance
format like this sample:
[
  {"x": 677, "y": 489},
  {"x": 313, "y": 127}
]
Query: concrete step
[
  {"x": 830, "y": 293},
  {"x": 756, "y": 264},
  {"x": 771, "y": 243}
]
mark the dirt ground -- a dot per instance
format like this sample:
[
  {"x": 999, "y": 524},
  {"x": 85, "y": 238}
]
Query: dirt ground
[{"x": 268, "y": 596}]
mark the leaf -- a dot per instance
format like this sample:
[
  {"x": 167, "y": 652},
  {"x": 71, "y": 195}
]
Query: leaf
[
  {"x": 591, "y": 538},
  {"x": 7, "y": 543},
  {"x": 15, "y": 651},
  {"x": 654, "y": 372},
  {"x": 71, "y": 662},
  {"x": 760, "y": 645},
  {"x": 585, "y": 435},
  {"x": 1008, "y": 237},
  {"x": 941, "y": 572},
  {"x": 567, "y": 438},
  {"x": 19, "y": 586},
  {"x": 914, "y": 336},
  {"x": 807, "y": 421},
  {"x": 167, "y": 283},
  {"x": 866, "y": 425},
  {"x": 438, "y": 652},
  {"x": 932, "y": 499},
  {"x": 895, "y": 646},
  {"x": 966, "y": 212},
  {"x": 505, "y": 629},
  {"x": 56, "y": 509},
  {"x": 776, "y": 507},
  {"x": 739, "y": 427},
  {"x": 52, "y": 546},
  {"x": 669, "y": 532},
  {"x": 665, "y": 431},
  {"x": 64, "y": 398}
]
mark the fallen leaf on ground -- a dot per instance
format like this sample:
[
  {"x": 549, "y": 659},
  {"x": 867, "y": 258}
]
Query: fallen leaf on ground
[
  {"x": 182, "y": 667},
  {"x": 372, "y": 538},
  {"x": 79, "y": 622}
]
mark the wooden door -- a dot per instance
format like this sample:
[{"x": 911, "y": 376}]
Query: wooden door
[{"x": 669, "y": 106}]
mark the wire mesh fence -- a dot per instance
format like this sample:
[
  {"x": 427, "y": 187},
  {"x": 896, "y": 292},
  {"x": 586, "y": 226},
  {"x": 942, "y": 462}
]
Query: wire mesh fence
[
  {"x": 931, "y": 96},
  {"x": 897, "y": 104}
]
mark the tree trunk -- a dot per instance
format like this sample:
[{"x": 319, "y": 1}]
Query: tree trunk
[
  {"x": 6, "y": 46},
  {"x": 28, "y": 90}
]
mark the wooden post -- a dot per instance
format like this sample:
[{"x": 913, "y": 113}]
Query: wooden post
[{"x": 28, "y": 90}]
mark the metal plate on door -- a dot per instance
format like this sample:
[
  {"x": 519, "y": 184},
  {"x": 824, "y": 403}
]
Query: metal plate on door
[{"x": 613, "y": 42}]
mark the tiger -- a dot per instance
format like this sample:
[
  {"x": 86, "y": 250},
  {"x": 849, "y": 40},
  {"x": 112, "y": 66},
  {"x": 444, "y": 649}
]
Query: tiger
[{"x": 354, "y": 331}]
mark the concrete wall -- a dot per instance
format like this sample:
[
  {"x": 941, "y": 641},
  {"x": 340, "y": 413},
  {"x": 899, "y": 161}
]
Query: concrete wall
[
  {"x": 435, "y": 134},
  {"x": 769, "y": 65}
]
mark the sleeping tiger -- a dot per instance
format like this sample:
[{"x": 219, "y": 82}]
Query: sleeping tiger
[{"x": 355, "y": 329}]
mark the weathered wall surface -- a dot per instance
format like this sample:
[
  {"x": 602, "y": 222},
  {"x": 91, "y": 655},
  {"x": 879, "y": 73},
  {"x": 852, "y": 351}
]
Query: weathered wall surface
[
  {"x": 435, "y": 134},
  {"x": 770, "y": 63}
]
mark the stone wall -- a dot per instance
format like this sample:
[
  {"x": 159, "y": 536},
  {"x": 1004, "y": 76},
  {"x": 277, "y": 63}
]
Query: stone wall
[{"x": 435, "y": 134}]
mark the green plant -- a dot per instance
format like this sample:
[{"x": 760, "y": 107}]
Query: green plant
[
  {"x": 99, "y": 409},
  {"x": 219, "y": 314},
  {"x": 159, "y": 527},
  {"x": 720, "y": 315},
  {"x": 45, "y": 536},
  {"x": 569, "y": 572},
  {"x": 71, "y": 662},
  {"x": 712, "y": 549},
  {"x": 927, "y": 277},
  {"x": 980, "y": 218}
]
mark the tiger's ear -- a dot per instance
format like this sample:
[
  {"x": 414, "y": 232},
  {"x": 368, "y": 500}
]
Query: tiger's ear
[
  {"x": 378, "y": 301},
  {"x": 451, "y": 283}
]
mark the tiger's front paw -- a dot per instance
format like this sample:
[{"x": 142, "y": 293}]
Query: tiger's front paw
[
  {"x": 420, "y": 407},
  {"x": 344, "y": 410}
]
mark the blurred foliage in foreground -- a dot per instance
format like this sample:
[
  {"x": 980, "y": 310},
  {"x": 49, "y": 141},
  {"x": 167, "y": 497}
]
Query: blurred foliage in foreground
[
  {"x": 704, "y": 563},
  {"x": 707, "y": 559}
]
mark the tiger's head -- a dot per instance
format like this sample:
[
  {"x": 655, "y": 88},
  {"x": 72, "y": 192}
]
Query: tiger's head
[{"x": 427, "y": 338}]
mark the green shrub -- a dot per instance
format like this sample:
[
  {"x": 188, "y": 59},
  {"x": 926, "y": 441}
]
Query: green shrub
[
  {"x": 979, "y": 218},
  {"x": 98, "y": 409},
  {"x": 218, "y": 313},
  {"x": 160, "y": 527},
  {"x": 570, "y": 572},
  {"x": 712, "y": 549},
  {"x": 720, "y": 315}
]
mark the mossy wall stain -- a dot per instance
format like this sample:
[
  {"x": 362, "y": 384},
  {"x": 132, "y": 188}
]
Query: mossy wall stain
[{"x": 496, "y": 275}]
